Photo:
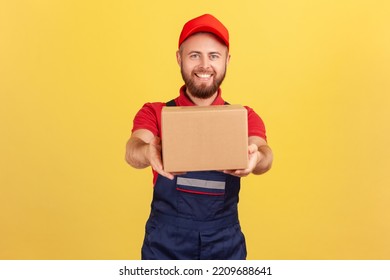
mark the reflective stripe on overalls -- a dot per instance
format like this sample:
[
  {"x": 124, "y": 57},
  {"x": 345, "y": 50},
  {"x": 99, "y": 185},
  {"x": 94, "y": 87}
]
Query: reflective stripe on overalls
[{"x": 195, "y": 217}]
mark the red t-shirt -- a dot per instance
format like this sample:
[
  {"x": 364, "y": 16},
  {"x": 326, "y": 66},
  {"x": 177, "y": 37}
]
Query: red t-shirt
[{"x": 149, "y": 117}]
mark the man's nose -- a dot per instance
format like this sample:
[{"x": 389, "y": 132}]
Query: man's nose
[{"x": 204, "y": 62}]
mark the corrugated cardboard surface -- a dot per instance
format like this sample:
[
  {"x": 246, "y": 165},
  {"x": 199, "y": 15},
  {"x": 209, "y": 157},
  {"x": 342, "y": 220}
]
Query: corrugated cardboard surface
[{"x": 204, "y": 138}]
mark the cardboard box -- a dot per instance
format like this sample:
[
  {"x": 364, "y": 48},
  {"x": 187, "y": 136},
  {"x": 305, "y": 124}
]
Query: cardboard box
[{"x": 199, "y": 138}]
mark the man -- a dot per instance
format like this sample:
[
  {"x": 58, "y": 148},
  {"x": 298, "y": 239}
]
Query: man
[{"x": 185, "y": 224}]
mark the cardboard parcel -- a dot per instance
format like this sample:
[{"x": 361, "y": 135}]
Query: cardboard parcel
[{"x": 197, "y": 138}]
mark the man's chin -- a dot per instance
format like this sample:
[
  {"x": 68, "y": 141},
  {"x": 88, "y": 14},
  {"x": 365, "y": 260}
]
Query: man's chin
[
  {"x": 202, "y": 90},
  {"x": 202, "y": 94}
]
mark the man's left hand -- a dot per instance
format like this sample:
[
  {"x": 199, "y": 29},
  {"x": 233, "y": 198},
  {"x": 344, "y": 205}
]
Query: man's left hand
[{"x": 254, "y": 159}]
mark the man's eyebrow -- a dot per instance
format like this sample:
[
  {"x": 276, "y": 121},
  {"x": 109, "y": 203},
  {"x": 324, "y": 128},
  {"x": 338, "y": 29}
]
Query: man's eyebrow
[{"x": 198, "y": 52}]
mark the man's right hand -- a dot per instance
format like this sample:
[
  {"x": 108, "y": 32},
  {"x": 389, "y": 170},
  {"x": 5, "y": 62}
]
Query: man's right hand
[
  {"x": 155, "y": 160},
  {"x": 144, "y": 149}
]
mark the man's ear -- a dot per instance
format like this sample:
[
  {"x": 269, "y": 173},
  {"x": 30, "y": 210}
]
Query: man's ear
[
  {"x": 228, "y": 59},
  {"x": 178, "y": 57}
]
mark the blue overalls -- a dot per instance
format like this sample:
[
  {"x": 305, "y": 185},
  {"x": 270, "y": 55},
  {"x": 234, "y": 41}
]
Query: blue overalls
[{"x": 194, "y": 217}]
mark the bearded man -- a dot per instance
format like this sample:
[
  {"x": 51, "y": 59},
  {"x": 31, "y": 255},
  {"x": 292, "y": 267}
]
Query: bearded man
[{"x": 183, "y": 224}]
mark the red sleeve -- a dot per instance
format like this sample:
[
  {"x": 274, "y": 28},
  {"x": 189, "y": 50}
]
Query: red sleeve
[
  {"x": 149, "y": 117},
  {"x": 256, "y": 125}
]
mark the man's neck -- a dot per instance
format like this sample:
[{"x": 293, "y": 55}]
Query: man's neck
[{"x": 200, "y": 101}]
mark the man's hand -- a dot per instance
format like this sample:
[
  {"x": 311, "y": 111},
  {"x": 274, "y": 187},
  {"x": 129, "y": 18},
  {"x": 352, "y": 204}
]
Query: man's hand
[
  {"x": 154, "y": 157},
  {"x": 260, "y": 158},
  {"x": 144, "y": 149},
  {"x": 254, "y": 157}
]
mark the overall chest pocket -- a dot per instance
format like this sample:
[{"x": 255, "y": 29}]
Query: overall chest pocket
[{"x": 201, "y": 198}]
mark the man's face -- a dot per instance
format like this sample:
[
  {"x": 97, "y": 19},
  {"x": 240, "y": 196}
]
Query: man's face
[{"x": 203, "y": 60}]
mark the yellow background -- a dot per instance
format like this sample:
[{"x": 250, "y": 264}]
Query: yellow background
[{"x": 74, "y": 73}]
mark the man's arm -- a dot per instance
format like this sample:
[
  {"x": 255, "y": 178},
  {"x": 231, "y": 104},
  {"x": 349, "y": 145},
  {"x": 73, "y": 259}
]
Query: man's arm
[
  {"x": 265, "y": 155},
  {"x": 144, "y": 149},
  {"x": 260, "y": 158}
]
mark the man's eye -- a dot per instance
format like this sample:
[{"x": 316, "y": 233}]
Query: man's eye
[
  {"x": 214, "y": 56},
  {"x": 194, "y": 56}
]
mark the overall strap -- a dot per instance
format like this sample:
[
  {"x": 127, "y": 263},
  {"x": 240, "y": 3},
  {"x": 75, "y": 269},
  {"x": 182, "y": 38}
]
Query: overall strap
[{"x": 172, "y": 103}]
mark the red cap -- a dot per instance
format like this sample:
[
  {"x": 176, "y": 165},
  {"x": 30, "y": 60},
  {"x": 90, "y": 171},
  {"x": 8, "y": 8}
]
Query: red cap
[{"x": 205, "y": 23}]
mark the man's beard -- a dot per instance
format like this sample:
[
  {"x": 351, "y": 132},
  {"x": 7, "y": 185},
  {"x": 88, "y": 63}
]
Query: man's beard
[{"x": 202, "y": 91}]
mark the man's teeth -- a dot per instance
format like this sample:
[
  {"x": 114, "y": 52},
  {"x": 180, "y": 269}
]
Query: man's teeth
[{"x": 203, "y": 75}]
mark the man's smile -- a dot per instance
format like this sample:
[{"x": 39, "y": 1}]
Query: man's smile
[{"x": 203, "y": 75}]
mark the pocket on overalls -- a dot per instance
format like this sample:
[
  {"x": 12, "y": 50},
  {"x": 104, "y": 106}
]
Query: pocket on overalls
[
  {"x": 150, "y": 227},
  {"x": 201, "y": 198}
]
